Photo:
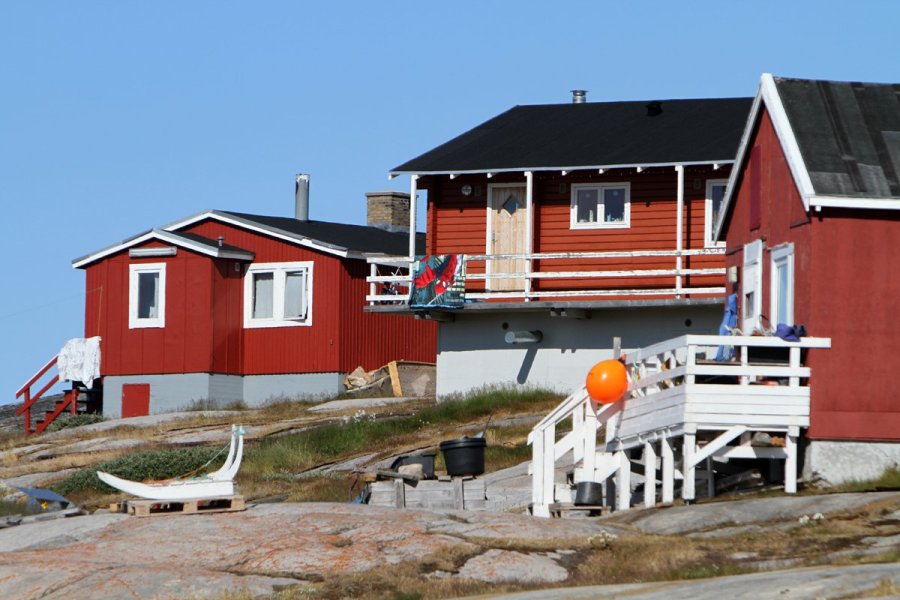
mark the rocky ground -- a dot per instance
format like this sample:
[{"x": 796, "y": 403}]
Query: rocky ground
[{"x": 807, "y": 546}]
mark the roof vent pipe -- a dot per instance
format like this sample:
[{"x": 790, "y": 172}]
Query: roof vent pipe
[
  {"x": 579, "y": 96},
  {"x": 301, "y": 197}
]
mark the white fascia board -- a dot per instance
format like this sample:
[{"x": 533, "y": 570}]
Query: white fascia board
[
  {"x": 738, "y": 163},
  {"x": 270, "y": 231},
  {"x": 851, "y": 202},
  {"x": 786, "y": 136},
  {"x": 456, "y": 172},
  {"x": 163, "y": 236}
]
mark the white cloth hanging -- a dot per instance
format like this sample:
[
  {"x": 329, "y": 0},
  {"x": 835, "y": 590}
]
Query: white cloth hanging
[{"x": 79, "y": 360}]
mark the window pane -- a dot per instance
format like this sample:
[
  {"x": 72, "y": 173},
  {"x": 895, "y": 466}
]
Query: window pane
[
  {"x": 718, "y": 193},
  {"x": 586, "y": 205},
  {"x": 781, "y": 306},
  {"x": 749, "y": 306},
  {"x": 614, "y": 205},
  {"x": 295, "y": 295},
  {"x": 263, "y": 288},
  {"x": 148, "y": 295}
]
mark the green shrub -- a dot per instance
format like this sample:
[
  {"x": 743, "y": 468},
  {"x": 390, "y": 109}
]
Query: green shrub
[
  {"x": 140, "y": 466},
  {"x": 67, "y": 420}
]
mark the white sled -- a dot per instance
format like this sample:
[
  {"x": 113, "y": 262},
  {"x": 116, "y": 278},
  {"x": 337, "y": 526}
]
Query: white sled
[{"x": 219, "y": 483}]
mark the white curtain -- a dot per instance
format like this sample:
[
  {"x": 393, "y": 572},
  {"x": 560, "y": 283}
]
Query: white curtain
[
  {"x": 295, "y": 295},
  {"x": 263, "y": 295}
]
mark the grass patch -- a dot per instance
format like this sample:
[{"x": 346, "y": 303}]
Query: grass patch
[
  {"x": 140, "y": 466},
  {"x": 361, "y": 432},
  {"x": 68, "y": 420},
  {"x": 890, "y": 479},
  {"x": 204, "y": 404}
]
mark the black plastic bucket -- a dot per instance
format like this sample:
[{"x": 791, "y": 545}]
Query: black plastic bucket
[
  {"x": 426, "y": 459},
  {"x": 588, "y": 493},
  {"x": 464, "y": 456}
]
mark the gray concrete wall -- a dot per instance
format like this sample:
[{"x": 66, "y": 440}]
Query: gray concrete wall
[
  {"x": 472, "y": 351},
  {"x": 836, "y": 462},
  {"x": 170, "y": 393},
  {"x": 259, "y": 389}
]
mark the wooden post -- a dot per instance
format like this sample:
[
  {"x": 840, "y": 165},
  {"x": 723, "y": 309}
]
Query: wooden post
[
  {"x": 710, "y": 479},
  {"x": 539, "y": 505},
  {"x": 399, "y": 494},
  {"x": 790, "y": 462},
  {"x": 578, "y": 416},
  {"x": 623, "y": 481},
  {"x": 589, "y": 438},
  {"x": 549, "y": 464},
  {"x": 649, "y": 475},
  {"x": 690, "y": 448},
  {"x": 459, "y": 493},
  {"x": 668, "y": 471}
]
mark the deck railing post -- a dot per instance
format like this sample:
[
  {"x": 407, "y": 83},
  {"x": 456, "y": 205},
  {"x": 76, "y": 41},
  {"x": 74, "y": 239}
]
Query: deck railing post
[
  {"x": 27, "y": 412},
  {"x": 790, "y": 462}
]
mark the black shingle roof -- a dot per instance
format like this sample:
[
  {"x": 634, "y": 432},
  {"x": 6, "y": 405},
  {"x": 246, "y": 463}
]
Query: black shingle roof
[
  {"x": 593, "y": 134},
  {"x": 848, "y": 134},
  {"x": 212, "y": 244},
  {"x": 357, "y": 238}
]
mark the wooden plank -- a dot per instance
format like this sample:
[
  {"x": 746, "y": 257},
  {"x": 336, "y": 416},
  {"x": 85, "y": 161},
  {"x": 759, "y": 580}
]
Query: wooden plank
[
  {"x": 152, "y": 508},
  {"x": 395, "y": 379},
  {"x": 399, "y": 494},
  {"x": 458, "y": 498}
]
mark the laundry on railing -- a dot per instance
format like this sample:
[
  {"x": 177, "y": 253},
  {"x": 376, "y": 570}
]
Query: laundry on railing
[
  {"x": 79, "y": 360},
  {"x": 438, "y": 281}
]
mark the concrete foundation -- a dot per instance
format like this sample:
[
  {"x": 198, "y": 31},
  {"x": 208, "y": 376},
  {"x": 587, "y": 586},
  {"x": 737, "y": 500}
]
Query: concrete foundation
[
  {"x": 835, "y": 462},
  {"x": 472, "y": 351},
  {"x": 170, "y": 393}
]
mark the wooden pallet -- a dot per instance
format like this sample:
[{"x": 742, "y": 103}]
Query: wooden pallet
[
  {"x": 153, "y": 508},
  {"x": 566, "y": 510}
]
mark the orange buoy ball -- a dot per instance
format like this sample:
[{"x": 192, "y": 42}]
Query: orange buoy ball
[{"x": 607, "y": 381}]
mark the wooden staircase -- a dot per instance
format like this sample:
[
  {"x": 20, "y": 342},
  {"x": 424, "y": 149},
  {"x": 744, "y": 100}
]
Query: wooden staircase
[{"x": 75, "y": 400}]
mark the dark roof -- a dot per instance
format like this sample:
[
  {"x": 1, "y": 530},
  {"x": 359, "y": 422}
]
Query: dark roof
[
  {"x": 213, "y": 244},
  {"x": 593, "y": 134},
  {"x": 848, "y": 134},
  {"x": 355, "y": 238}
]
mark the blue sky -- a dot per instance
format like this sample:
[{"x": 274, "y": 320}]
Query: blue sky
[{"x": 116, "y": 117}]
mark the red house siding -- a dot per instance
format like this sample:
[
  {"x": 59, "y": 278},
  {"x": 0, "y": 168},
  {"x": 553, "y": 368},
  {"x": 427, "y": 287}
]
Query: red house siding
[{"x": 842, "y": 290}]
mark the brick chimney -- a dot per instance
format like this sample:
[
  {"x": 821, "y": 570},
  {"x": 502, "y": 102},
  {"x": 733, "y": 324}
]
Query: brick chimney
[{"x": 388, "y": 210}]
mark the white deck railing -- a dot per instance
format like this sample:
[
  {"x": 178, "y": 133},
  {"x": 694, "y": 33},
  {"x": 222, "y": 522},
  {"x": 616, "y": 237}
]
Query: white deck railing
[
  {"x": 676, "y": 391},
  {"x": 389, "y": 279}
]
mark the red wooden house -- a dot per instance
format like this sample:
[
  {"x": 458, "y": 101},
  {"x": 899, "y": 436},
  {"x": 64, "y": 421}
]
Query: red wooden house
[
  {"x": 575, "y": 223},
  {"x": 230, "y": 306},
  {"x": 812, "y": 225}
]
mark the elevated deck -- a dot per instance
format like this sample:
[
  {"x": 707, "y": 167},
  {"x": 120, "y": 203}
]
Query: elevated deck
[{"x": 683, "y": 411}]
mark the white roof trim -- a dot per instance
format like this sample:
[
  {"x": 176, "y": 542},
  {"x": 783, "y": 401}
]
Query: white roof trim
[
  {"x": 768, "y": 96},
  {"x": 855, "y": 202},
  {"x": 455, "y": 172},
  {"x": 163, "y": 236},
  {"x": 271, "y": 231}
]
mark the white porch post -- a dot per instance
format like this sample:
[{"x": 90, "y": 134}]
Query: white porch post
[
  {"x": 623, "y": 481},
  {"x": 688, "y": 468},
  {"x": 668, "y": 471},
  {"x": 649, "y": 474},
  {"x": 529, "y": 220},
  {"x": 413, "y": 190},
  {"x": 679, "y": 225},
  {"x": 790, "y": 462}
]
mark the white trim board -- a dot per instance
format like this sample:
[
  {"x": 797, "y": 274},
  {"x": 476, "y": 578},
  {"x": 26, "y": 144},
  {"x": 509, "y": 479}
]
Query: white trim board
[{"x": 163, "y": 236}]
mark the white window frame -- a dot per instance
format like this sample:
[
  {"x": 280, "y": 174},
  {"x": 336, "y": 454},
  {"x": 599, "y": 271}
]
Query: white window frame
[
  {"x": 781, "y": 255},
  {"x": 599, "y": 224},
  {"x": 279, "y": 270},
  {"x": 751, "y": 281},
  {"x": 710, "y": 225},
  {"x": 134, "y": 271}
]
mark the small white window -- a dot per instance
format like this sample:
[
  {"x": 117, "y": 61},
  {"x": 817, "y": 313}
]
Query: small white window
[
  {"x": 278, "y": 295},
  {"x": 601, "y": 206},
  {"x": 715, "y": 193},
  {"x": 147, "y": 295},
  {"x": 751, "y": 287},
  {"x": 782, "y": 285}
]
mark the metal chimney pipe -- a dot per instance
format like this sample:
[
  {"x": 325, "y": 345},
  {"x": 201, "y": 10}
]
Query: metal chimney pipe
[
  {"x": 579, "y": 96},
  {"x": 301, "y": 197}
]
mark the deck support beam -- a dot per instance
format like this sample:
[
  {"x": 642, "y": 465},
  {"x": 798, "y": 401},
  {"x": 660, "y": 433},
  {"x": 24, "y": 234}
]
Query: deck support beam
[
  {"x": 790, "y": 462},
  {"x": 649, "y": 474},
  {"x": 623, "y": 481},
  {"x": 668, "y": 471},
  {"x": 689, "y": 452}
]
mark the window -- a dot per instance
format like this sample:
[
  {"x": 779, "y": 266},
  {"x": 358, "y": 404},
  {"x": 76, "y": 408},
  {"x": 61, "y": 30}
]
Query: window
[
  {"x": 715, "y": 193},
  {"x": 601, "y": 206},
  {"x": 147, "y": 295},
  {"x": 278, "y": 295},
  {"x": 751, "y": 287},
  {"x": 782, "y": 285}
]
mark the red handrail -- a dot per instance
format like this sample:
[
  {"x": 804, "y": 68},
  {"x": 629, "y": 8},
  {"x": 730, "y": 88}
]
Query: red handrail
[{"x": 25, "y": 390}]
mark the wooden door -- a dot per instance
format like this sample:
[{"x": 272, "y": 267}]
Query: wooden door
[
  {"x": 507, "y": 236},
  {"x": 135, "y": 400}
]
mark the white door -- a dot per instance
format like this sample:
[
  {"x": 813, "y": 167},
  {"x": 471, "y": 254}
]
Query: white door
[{"x": 506, "y": 235}]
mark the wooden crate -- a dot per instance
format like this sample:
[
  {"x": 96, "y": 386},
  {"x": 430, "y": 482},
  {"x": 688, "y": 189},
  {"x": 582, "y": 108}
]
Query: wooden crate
[
  {"x": 153, "y": 508},
  {"x": 460, "y": 493}
]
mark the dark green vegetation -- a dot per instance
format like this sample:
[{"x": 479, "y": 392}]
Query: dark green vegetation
[{"x": 65, "y": 421}]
